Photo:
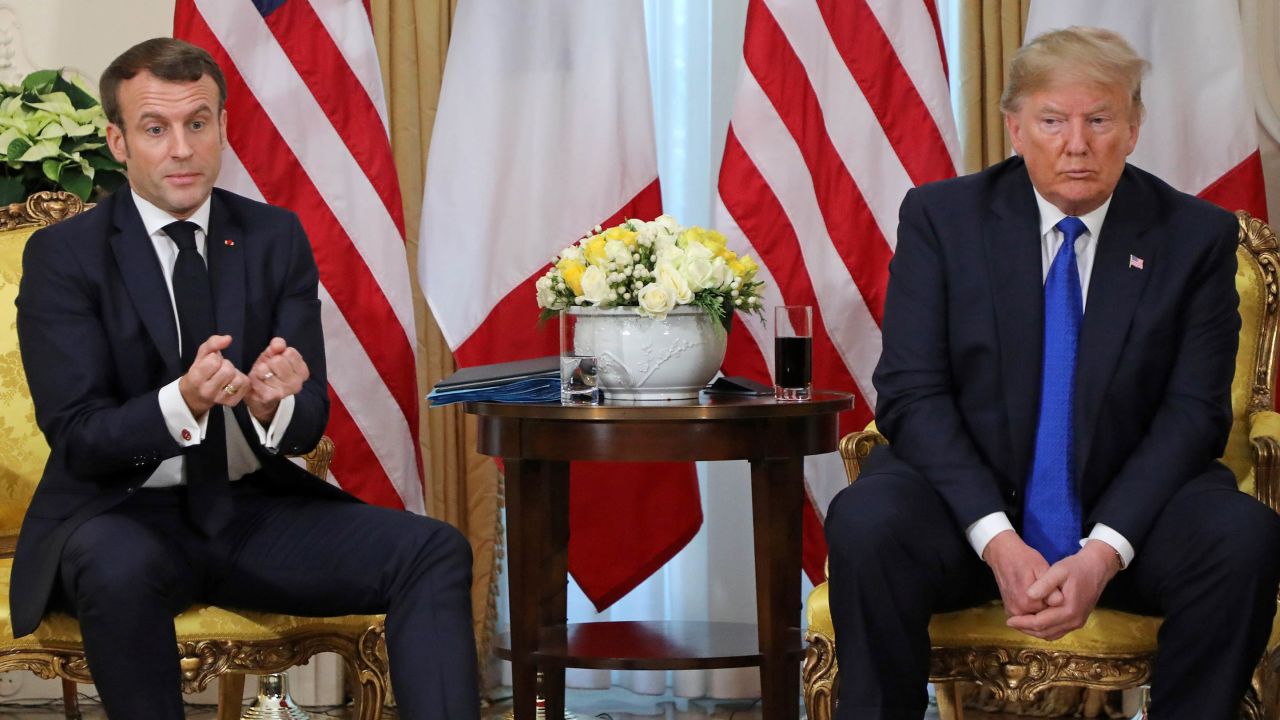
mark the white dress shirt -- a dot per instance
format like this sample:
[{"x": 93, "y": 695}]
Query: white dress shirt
[
  {"x": 177, "y": 416},
  {"x": 987, "y": 527}
]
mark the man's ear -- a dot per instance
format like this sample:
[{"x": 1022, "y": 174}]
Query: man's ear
[
  {"x": 119, "y": 146},
  {"x": 1013, "y": 126},
  {"x": 222, "y": 127}
]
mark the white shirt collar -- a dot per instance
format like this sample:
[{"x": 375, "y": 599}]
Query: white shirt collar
[
  {"x": 1050, "y": 215},
  {"x": 154, "y": 219}
]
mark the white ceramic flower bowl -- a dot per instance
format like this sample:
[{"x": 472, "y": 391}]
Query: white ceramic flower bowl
[{"x": 642, "y": 358}]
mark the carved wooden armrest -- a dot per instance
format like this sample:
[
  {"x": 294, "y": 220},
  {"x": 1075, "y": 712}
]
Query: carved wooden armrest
[
  {"x": 855, "y": 447},
  {"x": 1264, "y": 441}
]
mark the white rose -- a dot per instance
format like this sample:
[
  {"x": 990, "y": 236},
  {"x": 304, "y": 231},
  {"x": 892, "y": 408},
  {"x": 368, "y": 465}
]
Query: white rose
[
  {"x": 669, "y": 224},
  {"x": 722, "y": 274},
  {"x": 574, "y": 253},
  {"x": 668, "y": 254},
  {"x": 595, "y": 286},
  {"x": 699, "y": 273},
  {"x": 670, "y": 275},
  {"x": 618, "y": 252},
  {"x": 695, "y": 249},
  {"x": 546, "y": 295},
  {"x": 656, "y": 300}
]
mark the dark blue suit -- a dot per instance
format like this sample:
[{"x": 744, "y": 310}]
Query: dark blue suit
[
  {"x": 98, "y": 338},
  {"x": 958, "y": 387}
]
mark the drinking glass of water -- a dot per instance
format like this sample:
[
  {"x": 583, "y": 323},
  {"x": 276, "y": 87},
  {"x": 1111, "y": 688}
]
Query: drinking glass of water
[
  {"x": 579, "y": 371},
  {"x": 792, "y": 352}
]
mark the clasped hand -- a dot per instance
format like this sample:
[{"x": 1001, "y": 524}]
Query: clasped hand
[
  {"x": 213, "y": 380},
  {"x": 1049, "y": 601}
]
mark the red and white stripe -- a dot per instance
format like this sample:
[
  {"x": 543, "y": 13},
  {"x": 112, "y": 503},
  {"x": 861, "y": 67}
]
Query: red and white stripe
[
  {"x": 1200, "y": 134},
  {"x": 307, "y": 131},
  {"x": 842, "y": 107}
]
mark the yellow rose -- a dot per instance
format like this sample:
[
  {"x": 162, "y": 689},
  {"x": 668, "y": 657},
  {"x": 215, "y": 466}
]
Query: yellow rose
[
  {"x": 622, "y": 233},
  {"x": 713, "y": 240},
  {"x": 572, "y": 271},
  {"x": 728, "y": 255},
  {"x": 594, "y": 250},
  {"x": 749, "y": 267}
]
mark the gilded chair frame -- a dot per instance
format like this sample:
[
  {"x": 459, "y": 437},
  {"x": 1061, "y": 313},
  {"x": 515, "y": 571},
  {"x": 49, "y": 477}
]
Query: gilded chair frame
[
  {"x": 1023, "y": 674},
  {"x": 362, "y": 646}
]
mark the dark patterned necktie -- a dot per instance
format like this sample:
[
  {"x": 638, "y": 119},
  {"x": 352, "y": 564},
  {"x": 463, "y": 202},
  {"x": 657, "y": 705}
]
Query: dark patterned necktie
[
  {"x": 1051, "y": 517},
  {"x": 208, "y": 499}
]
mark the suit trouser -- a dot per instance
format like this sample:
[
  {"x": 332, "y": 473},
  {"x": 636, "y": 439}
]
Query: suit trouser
[
  {"x": 1210, "y": 567},
  {"x": 126, "y": 573}
]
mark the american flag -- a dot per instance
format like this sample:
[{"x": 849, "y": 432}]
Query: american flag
[
  {"x": 842, "y": 107},
  {"x": 307, "y": 130}
]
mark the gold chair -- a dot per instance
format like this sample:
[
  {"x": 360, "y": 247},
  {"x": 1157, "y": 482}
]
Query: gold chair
[
  {"x": 212, "y": 642},
  {"x": 1114, "y": 650}
]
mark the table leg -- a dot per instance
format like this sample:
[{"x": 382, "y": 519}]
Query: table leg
[
  {"x": 537, "y": 495},
  {"x": 777, "y": 501}
]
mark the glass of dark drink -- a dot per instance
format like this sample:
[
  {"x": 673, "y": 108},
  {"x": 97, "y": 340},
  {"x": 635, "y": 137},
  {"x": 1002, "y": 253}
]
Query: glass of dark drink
[{"x": 792, "y": 352}]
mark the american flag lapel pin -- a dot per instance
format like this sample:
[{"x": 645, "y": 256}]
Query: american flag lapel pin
[
  {"x": 232, "y": 243},
  {"x": 1135, "y": 262}
]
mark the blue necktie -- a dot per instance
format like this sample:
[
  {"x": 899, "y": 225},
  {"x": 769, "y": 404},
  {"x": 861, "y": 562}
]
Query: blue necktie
[{"x": 1051, "y": 517}]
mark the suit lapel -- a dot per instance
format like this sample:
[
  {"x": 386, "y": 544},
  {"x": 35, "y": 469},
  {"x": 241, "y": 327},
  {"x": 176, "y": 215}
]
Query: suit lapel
[
  {"x": 1013, "y": 260},
  {"x": 143, "y": 276},
  {"x": 224, "y": 249},
  {"x": 1114, "y": 290}
]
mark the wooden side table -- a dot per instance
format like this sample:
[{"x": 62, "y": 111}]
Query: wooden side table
[{"x": 537, "y": 443}]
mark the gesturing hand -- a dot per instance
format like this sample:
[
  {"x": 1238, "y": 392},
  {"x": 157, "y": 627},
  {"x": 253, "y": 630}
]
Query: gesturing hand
[
  {"x": 1078, "y": 580},
  {"x": 212, "y": 379},
  {"x": 1017, "y": 566},
  {"x": 278, "y": 373}
]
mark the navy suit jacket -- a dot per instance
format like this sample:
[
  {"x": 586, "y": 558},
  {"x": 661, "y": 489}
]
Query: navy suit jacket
[
  {"x": 98, "y": 338},
  {"x": 958, "y": 381}
]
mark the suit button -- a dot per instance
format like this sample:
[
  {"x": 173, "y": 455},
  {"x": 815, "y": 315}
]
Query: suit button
[
  {"x": 1012, "y": 496},
  {"x": 186, "y": 434}
]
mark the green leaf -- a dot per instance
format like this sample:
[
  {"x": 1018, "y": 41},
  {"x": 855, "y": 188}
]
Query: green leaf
[
  {"x": 37, "y": 81},
  {"x": 12, "y": 190},
  {"x": 56, "y": 103},
  {"x": 52, "y": 131},
  {"x": 52, "y": 169},
  {"x": 76, "y": 182},
  {"x": 17, "y": 148},
  {"x": 108, "y": 180},
  {"x": 103, "y": 162},
  {"x": 80, "y": 99},
  {"x": 39, "y": 151}
]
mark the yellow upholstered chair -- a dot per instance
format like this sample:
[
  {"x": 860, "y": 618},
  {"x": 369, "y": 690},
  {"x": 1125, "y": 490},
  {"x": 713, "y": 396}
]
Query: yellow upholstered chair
[
  {"x": 212, "y": 641},
  {"x": 1114, "y": 650}
]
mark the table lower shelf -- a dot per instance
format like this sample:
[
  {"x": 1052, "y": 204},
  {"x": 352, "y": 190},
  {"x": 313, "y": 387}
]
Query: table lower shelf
[{"x": 650, "y": 645}]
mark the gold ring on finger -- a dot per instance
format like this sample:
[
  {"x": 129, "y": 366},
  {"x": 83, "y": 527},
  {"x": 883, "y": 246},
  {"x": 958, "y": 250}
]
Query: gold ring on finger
[{"x": 230, "y": 389}]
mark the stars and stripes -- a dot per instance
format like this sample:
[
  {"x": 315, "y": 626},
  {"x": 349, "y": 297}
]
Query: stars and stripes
[
  {"x": 307, "y": 130},
  {"x": 842, "y": 107}
]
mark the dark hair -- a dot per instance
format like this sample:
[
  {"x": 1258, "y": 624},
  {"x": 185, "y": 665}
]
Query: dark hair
[{"x": 169, "y": 59}]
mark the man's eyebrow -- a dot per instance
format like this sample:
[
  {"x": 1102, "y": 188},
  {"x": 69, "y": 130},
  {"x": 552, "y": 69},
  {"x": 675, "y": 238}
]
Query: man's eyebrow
[{"x": 203, "y": 109}]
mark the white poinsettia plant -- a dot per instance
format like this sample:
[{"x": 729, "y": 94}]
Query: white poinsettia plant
[
  {"x": 53, "y": 137},
  {"x": 653, "y": 266}
]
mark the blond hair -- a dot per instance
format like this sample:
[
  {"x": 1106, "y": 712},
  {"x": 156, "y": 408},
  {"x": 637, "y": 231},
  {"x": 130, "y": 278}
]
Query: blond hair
[{"x": 1077, "y": 54}]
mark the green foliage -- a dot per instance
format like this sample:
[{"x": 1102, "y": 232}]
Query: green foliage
[{"x": 53, "y": 137}]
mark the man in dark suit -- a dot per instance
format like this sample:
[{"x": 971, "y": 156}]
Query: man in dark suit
[
  {"x": 172, "y": 343},
  {"x": 1059, "y": 341}
]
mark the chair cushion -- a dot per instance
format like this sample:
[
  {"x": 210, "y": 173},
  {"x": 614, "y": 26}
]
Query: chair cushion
[
  {"x": 1106, "y": 632},
  {"x": 201, "y": 622}
]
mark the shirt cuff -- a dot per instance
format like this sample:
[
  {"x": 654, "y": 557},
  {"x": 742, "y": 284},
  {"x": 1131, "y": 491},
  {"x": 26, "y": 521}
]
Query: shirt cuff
[
  {"x": 985, "y": 529},
  {"x": 183, "y": 426},
  {"x": 271, "y": 436},
  {"x": 1117, "y": 541}
]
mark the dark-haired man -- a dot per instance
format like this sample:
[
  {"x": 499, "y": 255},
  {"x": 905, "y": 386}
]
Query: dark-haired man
[{"x": 172, "y": 343}]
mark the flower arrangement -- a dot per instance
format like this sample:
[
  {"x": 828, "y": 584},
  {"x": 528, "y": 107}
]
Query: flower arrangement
[
  {"x": 654, "y": 267},
  {"x": 53, "y": 137}
]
